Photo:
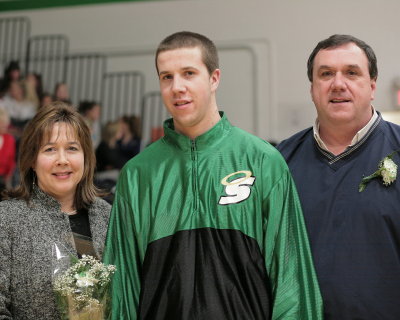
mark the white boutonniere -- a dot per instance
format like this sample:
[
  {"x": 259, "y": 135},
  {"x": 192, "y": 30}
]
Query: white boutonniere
[{"x": 387, "y": 170}]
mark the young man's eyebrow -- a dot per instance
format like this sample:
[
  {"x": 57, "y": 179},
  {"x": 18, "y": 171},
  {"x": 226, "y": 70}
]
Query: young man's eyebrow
[{"x": 182, "y": 69}]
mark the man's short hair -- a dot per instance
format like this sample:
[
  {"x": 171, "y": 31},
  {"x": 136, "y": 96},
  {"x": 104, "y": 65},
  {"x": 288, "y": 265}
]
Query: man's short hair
[
  {"x": 338, "y": 40},
  {"x": 187, "y": 39}
]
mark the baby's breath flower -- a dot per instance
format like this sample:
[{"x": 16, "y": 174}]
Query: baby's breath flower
[
  {"x": 84, "y": 284},
  {"x": 85, "y": 280}
]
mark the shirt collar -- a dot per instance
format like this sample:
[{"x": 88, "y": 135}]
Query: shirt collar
[{"x": 358, "y": 136}]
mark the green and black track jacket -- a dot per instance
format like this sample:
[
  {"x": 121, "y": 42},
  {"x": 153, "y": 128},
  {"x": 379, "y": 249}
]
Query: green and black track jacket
[{"x": 211, "y": 229}]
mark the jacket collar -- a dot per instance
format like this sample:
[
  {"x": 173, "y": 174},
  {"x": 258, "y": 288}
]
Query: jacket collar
[
  {"x": 205, "y": 141},
  {"x": 41, "y": 199}
]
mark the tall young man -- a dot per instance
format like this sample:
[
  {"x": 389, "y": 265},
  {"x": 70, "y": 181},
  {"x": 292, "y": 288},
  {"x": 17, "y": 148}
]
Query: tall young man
[{"x": 206, "y": 222}]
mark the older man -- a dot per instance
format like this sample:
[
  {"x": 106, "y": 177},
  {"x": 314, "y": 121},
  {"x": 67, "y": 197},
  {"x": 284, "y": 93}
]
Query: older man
[{"x": 354, "y": 227}]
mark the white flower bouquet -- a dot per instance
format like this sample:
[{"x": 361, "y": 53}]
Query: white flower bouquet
[
  {"x": 83, "y": 291},
  {"x": 387, "y": 170}
]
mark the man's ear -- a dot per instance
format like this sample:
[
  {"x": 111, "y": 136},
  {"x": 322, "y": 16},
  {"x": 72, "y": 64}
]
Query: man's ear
[
  {"x": 373, "y": 88},
  {"x": 214, "y": 79},
  {"x": 311, "y": 93}
]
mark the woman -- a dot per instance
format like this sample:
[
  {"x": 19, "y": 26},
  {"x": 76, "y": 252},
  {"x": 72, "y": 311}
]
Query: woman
[
  {"x": 12, "y": 73},
  {"x": 90, "y": 111},
  {"x": 18, "y": 107},
  {"x": 55, "y": 201},
  {"x": 129, "y": 137},
  {"x": 61, "y": 92},
  {"x": 108, "y": 156}
]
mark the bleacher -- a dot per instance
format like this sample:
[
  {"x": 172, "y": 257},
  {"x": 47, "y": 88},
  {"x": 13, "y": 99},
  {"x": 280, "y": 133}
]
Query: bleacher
[{"x": 86, "y": 75}]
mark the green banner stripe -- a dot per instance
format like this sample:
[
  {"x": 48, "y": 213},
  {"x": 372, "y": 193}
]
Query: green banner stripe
[{"x": 9, "y": 5}]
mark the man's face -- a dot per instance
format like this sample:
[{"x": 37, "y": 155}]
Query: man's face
[
  {"x": 342, "y": 89},
  {"x": 188, "y": 90}
]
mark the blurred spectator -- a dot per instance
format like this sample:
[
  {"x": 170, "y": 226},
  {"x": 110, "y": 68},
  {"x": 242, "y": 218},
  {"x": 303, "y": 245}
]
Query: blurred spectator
[
  {"x": 29, "y": 85},
  {"x": 61, "y": 93},
  {"x": 11, "y": 73},
  {"x": 107, "y": 154},
  {"x": 46, "y": 99},
  {"x": 7, "y": 151},
  {"x": 129, "y": 137},
  {"x": 90, "y": 110},
  {"x": 109, "y": 160},
  {"x": 34, "y": 88},
  {"x": 19, "y": 109}
]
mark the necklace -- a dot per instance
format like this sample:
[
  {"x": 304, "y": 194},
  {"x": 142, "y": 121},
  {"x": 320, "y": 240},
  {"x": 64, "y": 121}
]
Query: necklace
[{"x": 71, "y": 212}]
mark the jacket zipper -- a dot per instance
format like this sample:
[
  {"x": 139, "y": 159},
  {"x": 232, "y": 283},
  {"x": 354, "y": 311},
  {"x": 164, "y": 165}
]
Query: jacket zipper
[{"x": 194, "y": 171}]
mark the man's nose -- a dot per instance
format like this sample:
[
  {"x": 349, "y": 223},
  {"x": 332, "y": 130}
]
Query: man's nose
[
  {"x": 339, "y": 82},
  {"x": 178, "y": 84}
]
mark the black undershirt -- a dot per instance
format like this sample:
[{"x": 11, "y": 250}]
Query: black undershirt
[
  {"x": 79, "y": 223},
  {"x": 80, "y": 227}
]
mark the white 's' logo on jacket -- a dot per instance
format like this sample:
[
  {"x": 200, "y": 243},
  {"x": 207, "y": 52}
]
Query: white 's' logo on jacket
[{"x": 237, "y": 187}]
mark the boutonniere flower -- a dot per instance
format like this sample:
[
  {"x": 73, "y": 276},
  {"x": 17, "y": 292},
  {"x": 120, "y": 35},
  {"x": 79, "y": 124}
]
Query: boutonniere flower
[{"x": 387, "y": 170}]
